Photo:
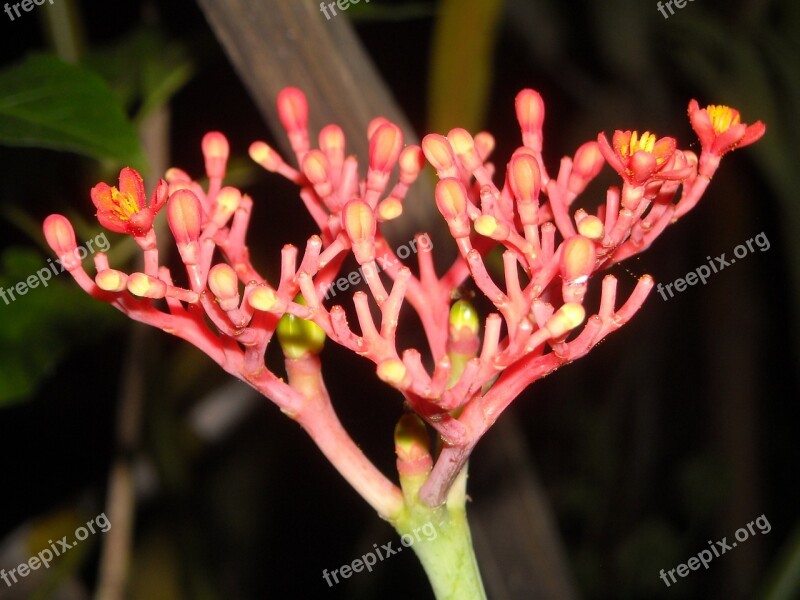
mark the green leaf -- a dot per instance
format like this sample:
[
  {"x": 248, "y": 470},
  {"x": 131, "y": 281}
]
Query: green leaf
[
  {"x": 47, "y": 103},
  {"x": 39, "y": 327}
]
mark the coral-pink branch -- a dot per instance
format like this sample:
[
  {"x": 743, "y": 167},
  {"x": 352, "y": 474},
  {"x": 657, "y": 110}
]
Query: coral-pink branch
[{"x": 550, "y": 253}]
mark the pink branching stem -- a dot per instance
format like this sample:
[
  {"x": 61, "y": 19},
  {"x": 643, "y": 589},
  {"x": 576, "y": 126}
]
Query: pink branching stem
[
  {"x": 317, "y": 417},
  {"x": 538, "y": 321},
  {"x": 428, "y": 297},
  {"x": 481, "y": 412},
  {"x": 691, "y": 195}
]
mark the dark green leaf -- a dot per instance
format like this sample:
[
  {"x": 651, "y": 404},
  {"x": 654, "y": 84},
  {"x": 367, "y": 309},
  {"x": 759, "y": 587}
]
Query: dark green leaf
[{"x": 47, "y": 103}]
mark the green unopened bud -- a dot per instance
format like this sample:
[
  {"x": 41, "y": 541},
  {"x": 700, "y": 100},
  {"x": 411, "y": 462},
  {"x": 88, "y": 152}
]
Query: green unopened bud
[
  {"x": 412, "y": 445},
  {"x": 411, "y": 440},
  {"x": 463, "y": 314},
  {"x": 463, "y": 342},
  {"x": 299, "y": 337}
]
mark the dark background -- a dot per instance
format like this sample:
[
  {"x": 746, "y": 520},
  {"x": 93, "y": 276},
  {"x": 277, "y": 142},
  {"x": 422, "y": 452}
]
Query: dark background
[{"x": 674, "y": 431}]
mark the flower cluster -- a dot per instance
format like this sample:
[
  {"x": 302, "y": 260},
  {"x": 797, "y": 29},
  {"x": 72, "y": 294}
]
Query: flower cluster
[{"x": 549, "y": 253}]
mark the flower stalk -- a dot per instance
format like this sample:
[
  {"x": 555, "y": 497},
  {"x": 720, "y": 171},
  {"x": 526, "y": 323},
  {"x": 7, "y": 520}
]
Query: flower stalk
[{"x": 446, "y": 554}]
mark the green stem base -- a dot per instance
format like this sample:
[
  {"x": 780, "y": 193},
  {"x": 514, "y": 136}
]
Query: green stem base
[{"x": 442, "y": 541}]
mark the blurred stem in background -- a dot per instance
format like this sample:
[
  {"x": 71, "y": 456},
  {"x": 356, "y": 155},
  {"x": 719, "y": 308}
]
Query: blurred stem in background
[
  {"x": 64, "y": 30},
  {"x": 462, "y": 63}
]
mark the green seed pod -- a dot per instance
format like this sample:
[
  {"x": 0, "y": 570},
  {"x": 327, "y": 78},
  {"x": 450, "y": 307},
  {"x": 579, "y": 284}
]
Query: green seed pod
[{"x": 299, "y": 337}]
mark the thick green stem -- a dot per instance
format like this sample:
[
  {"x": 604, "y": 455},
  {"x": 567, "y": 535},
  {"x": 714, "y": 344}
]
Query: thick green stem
[{"x": 442, "y": 540}]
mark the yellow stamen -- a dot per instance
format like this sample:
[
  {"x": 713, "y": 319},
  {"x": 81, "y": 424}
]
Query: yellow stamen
[
  {"x": 722, "y": 117},
  {"x": 645, "y": 143},
  {"x": 125, "y": 205}
]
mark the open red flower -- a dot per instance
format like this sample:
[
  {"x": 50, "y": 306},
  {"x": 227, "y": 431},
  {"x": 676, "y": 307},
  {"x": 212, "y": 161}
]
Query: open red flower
[
  {"x": 720, "y": 129},
  {"x": 123, "y": 209},
  {"x": 640, "y": 159}
]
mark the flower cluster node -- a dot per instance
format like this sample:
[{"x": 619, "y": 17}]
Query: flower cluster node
[{"x": 549, "y": 254}]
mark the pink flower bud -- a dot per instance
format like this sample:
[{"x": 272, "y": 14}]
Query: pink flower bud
[
  {"x": 464, "y": 147},
  {"x": 224, "y": 284},
  {"x": 411, "y": 162},
  {"x": 374, "y": 124},
  {"x": 484, "y": 144},
  {"x": 384, "y": 147},
  {"x": 566, "y": 318},
  {"x": 331, "y": 141},
  {"x": 525, "y": 178},
  {"x": 145, "y": 286},
  {"x": 315, "y": 167},
  {"x": 265, "y": 156},
  {"x": 587, "y": 164},
  {"x": 438, "y": 152},
  {"x": 111, "y": 280},
  {"x": 577, "y": 259},
  {"x": 174, "y": 175},
  {"x": 530, "y": 111},
  {"x": 451, "y": 200},
  {"x": 590, "y": 226},
  {"x": 265, "y": 299},
  {"x": 184, "y": 217},
  {"x": 215, "y": 151},
  {"x": 390, "y": 209},
  {"x": 490, "y": 227},
  {"x": 293, "y": 110},
  {"x": 225, "y": 204},
  {"x": 359, "y": 222},
  {"x": 61, "y": 238}
]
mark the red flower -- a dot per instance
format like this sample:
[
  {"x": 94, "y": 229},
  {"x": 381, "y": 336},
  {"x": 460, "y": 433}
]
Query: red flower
[
  {"x": 123, "y": 210},
  {"x": 640, "y": 160},
  {"x": 720, "y": 130}
]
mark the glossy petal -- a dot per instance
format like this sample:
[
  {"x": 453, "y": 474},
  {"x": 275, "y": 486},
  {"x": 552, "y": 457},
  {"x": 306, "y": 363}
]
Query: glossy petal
[
  {"x": 131, "y": 185},
  {"x": 638, "y": 160},
  {"x": 123, "y": 209},
  {"x": 720, "y": 129}
]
